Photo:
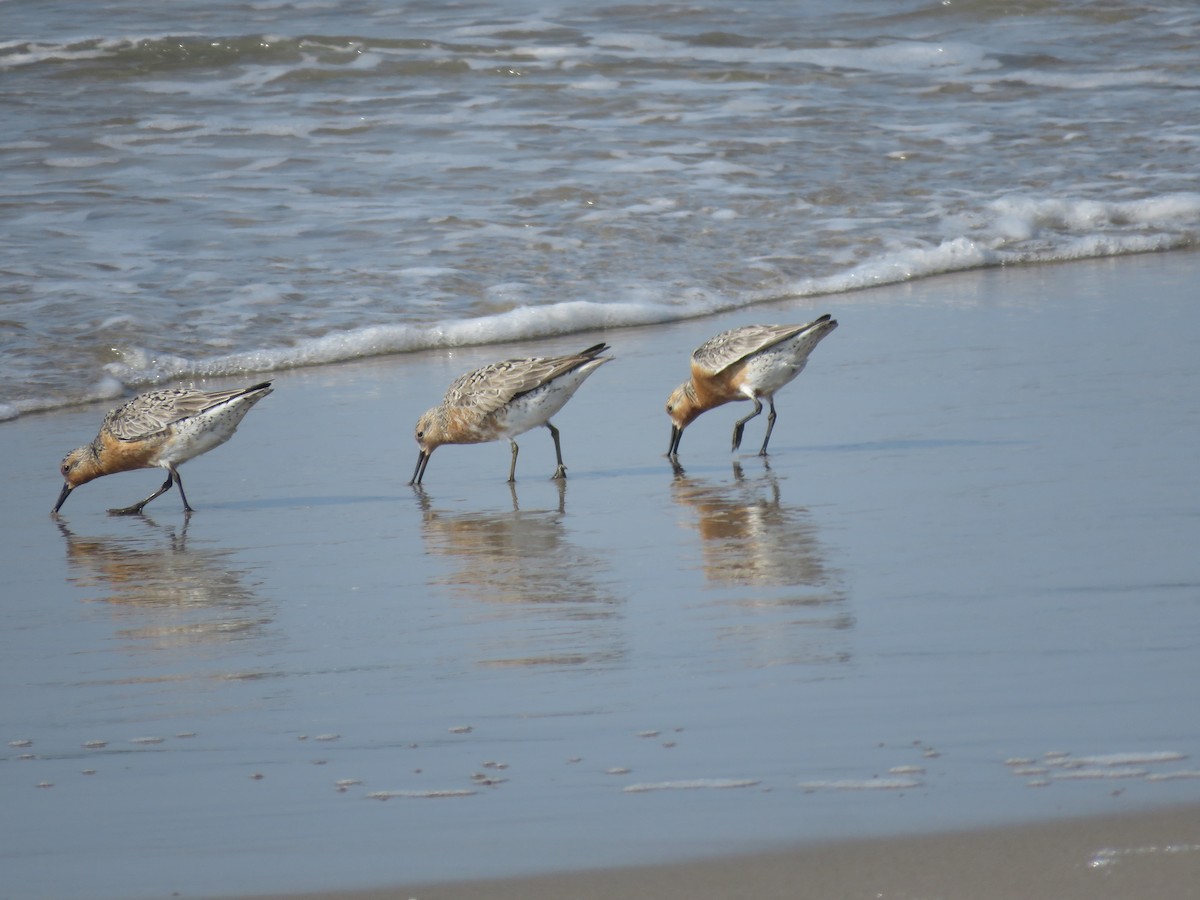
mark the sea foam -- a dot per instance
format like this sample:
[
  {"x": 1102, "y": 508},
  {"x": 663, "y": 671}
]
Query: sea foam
[{"x": 1015, "y": 234}]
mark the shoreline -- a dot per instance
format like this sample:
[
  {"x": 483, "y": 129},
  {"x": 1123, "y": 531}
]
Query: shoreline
[
  {"x": 1103, "y": 857},
  {"x": 109, "y": 391}
]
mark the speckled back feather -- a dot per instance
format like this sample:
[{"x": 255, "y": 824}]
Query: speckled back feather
[
  {"x": 153, "y": 412},
  {"x": 493, "y": 386},
  {"x": 729, "y": 347}
]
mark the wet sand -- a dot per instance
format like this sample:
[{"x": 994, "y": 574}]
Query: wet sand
[
  {"x": 1100, "y": 858},
  {"x": 958, "y": 597}
]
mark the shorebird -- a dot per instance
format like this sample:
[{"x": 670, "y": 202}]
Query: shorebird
[
  {"x": 504, "y": 400},
  {"x": 159, "y": 428},
  {"x": 746, "y": 363}
]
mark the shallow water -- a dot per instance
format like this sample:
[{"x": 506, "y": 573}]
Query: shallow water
[
  {"x": 216, "y": 188},
  {"x": 961, "y": 591}
]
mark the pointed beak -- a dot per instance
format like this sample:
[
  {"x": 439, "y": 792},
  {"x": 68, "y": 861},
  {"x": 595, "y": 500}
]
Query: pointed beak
[
  {"x": 676, "y": 436},
  {"x": 62, "y": 497},
  {"x": 422, "y": 462}
]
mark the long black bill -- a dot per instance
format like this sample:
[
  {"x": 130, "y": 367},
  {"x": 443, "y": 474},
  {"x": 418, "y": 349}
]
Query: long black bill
[
  {"x": 676, "y": 437},
  {"x": 62, "y": 498},
  {"x": 419, "y": 471}
]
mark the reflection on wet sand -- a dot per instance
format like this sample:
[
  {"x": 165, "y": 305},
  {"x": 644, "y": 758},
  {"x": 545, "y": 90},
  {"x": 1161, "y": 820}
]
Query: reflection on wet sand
[
  {"x": 537, "y": 591},
  {"x": 171, "y": 594},
  {"x": 764, "y": 562}
]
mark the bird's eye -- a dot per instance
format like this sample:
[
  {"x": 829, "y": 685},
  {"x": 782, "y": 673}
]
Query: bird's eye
[{"x": 420, "y": 434}]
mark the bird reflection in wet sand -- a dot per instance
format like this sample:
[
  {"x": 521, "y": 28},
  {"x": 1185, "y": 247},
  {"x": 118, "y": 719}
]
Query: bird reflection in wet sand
[
  {"x": 763, "y": 558},
  {"x": 537, "y": 595},
  {"x": 162, "y": 590}
]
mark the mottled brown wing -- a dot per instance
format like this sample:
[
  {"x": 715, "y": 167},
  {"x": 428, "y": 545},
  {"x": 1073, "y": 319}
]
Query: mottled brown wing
[
  {"x": 728, "y": 347},
  {"x": 148, "y": 414},
  {"x": 490, "y": 388}
]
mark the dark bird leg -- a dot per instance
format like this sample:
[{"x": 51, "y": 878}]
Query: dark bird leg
[
  {"x": 770, "y": 425},
  {"x": 512, "y": 470},
  {"x": 740, "y": 425},
  {"x": 561, "y": 471},
  {"x": 179, "y": 482},
  {"x": 166, "y": 486}
]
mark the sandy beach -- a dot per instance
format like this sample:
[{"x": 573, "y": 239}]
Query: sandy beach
[{"x": 941, "y": 643}]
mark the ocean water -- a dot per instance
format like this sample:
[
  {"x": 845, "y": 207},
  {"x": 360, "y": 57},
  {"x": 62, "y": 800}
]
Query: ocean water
[{"x": 219, "y": 188}]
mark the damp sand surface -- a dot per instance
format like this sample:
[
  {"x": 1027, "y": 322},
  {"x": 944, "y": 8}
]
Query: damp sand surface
[
  {"x": 960, "y": 594},
  {"x": 1107, "y": 857}
]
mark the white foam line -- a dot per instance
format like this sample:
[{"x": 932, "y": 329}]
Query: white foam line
[
  {"x": 1104, "y": 772},
  {"x": 867, "y": 784},
  {"x": 1131, "y": 759},
  {"x": 421, "y": 795},
  {"x": 693, "y": 784}
]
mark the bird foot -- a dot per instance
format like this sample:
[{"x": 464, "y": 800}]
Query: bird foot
[{"x": 134, "y": 510}]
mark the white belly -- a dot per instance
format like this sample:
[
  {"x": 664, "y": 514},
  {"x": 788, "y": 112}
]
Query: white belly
[{"x": 535, "y": 408}]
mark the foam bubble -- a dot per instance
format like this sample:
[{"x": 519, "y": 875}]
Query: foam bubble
[
  {"x": 903, "y": 56},
  {"x": 1128, "y": 759},
  {"x": 691, "y": 785},
  {"x": 78, "y": 162},
  {"x": 421, "y": 795},
  {"x": 863, "y": 784},
  {"x": 1099, "y": 772}
]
